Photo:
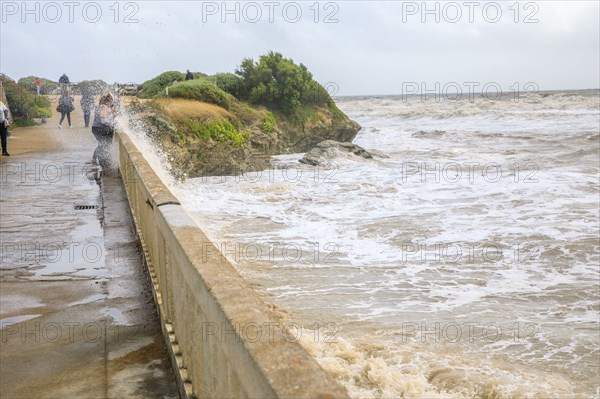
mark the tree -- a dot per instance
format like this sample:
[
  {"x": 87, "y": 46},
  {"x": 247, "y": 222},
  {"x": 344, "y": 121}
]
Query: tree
[{"x": 277, "y": 82}]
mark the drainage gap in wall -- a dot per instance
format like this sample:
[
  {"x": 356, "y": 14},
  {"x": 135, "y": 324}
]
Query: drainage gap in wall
[{"x": 85, "y": 207}]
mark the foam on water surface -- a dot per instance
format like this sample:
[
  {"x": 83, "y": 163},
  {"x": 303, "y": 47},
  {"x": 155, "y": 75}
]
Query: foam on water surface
[{"x": 482, "y": 219}]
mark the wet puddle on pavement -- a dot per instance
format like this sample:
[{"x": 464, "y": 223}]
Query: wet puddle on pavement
[{"x": 83, "y": 256}]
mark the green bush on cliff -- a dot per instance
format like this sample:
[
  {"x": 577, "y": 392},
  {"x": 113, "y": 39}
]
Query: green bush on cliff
[
  {"x": 94, "y": 87},
  {"x": 221, "y": 130},
  {"x": 273, "y": 81},
  {"x": 277, "y": 82},
  {"x": 24, "y": 104},
  {"x": 155, "y": 87},
  {"x": 205, "y": 79},
  {"x": 200, "y": 90},
  {"x": 316, "y": 94},
  {"x": 198, "y": 75},
  {"x": 230, "y": 83}
]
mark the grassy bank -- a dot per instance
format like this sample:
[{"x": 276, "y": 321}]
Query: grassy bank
[{"x": 213, "y": 124}]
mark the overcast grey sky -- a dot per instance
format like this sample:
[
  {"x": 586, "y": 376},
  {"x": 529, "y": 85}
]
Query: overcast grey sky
[{"x": 361, "y": 47}]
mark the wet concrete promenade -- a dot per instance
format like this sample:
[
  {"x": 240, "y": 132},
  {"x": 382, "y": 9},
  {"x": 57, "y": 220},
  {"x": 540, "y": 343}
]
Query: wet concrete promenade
[{"x": 77, "y": 319}]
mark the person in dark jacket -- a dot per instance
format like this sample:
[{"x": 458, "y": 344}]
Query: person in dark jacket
[
  {"x": 64, "y": 82},
  {"x": 64, "y": 79},
  {"x": 103, "y": 129},
  {"x": 4, "y": 125},
  {"x": 65, "y": 107},
  {"x": 189, "y": 75},
  {"x": 87, "y": 105}
]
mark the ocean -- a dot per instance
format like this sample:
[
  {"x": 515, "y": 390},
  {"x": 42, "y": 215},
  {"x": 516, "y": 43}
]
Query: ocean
[{"x": 461, "y": 261}]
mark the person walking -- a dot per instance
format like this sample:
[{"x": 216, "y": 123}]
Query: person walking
[
  {"x": 64, "y": 79},
  {"x": 189, "y": 75},
  {"x": 38, "y": 85},
  {"x": 65, "y": 107},
  {"x": 64, "y": 82},
  {"x": 87, "y": 105},
  {"x": 103, "y": 129},
  {"x": 4, "y": 125}
]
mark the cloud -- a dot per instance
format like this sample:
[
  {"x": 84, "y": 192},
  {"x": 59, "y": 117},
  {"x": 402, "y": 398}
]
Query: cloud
[{"x": 371, "y": 49}]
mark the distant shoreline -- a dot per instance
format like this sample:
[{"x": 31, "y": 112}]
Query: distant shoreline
[{"x": 478, "y": 94}]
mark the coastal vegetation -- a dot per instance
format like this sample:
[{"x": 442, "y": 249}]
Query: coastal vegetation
[
  {"x": 227, "y": 122},
  {"x": 23, "y": 102},
  {"x": 48, "y": 86}
]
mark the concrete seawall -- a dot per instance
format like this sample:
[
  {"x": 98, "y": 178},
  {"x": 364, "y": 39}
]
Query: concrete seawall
[{"x": 225, "y": 342}]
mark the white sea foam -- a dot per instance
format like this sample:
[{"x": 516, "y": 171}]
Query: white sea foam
[{"x": 374, "y": 244}]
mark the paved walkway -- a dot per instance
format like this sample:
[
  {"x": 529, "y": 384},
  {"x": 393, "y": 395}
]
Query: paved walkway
[{"x": 77, "y": 318}]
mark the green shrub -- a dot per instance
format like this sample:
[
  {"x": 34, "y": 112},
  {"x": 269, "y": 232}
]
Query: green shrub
[
  {"x": 230, "y": 83},
  {"x": 277, "y": 82},
  {"x": 306, "y": 114},
  {"x": 94, "y": 87},
  {"x": 48, "y": 86},
  {"x": 156, "y": 87},
  {"x": 43, "y": 112},
  {"x": 221, "y": 130},
  {"x": 316, "y": 94},
  {"x": 206, "y": 79},
  {"x": 200, "y": 90},
  {"x": 25, "y": 123},
  {"x": 269, "y": 123},
  {"x": 198, "y": 75},
  {"x": 24, "y": 104}
]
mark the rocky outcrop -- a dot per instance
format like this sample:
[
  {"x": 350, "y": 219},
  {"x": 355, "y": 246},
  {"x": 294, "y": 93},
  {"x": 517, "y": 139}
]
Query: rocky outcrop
[
  {"x": 170, "y": 123},
  {"x": 289, "y": 138},
  {"x": 302, "y": 139},
  {"x": 201, "y": 158},
  {"x": 325, "y": 151}
]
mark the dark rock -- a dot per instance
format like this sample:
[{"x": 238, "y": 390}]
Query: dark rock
[
  {"x": 433, "y": 133},
  {"x": 328, "y": 149},
  {"x": 304, "y": 139},
  {"x": 290, "y": 138}
]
